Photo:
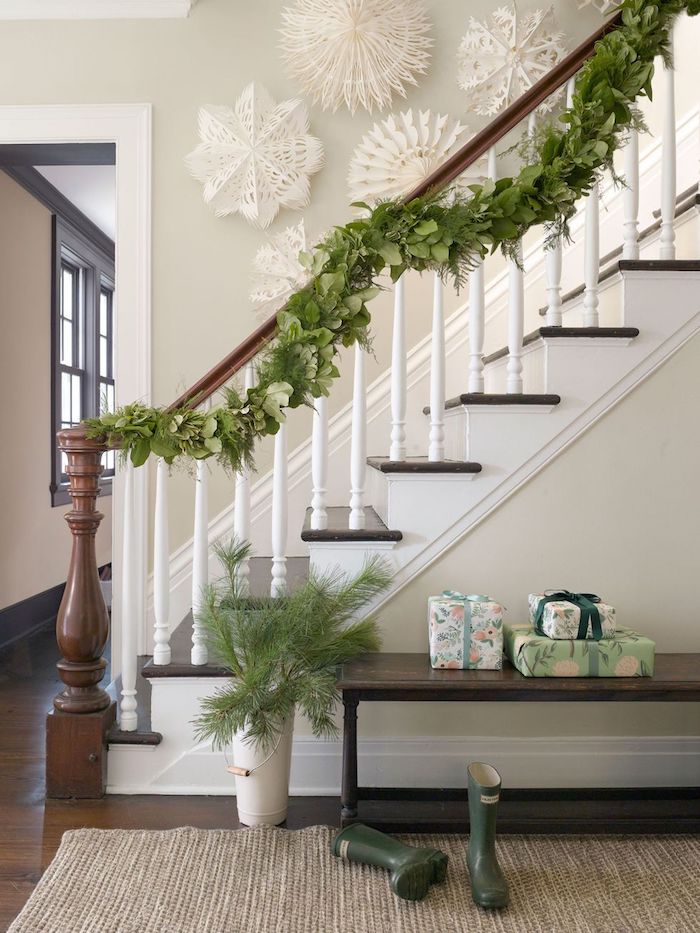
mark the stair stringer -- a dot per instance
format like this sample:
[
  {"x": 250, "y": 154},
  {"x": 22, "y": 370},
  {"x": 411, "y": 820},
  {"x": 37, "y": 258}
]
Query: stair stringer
[{"x": 591, "y": 376}]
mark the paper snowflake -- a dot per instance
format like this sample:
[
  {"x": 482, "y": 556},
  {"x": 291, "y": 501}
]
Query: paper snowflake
[
  {"x": 256, "y": 157},
  {"x": 356, "y": 52},
  {"x": 400, "y": 152},
  {"x": 277, "y": 272},
  {"x": 497, "y": 62}
]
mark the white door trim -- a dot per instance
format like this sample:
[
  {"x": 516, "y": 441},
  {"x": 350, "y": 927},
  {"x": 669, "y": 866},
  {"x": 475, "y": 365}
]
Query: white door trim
[
  {"x": 94, "y": 9},
  {"x": 129, "y": 126}
]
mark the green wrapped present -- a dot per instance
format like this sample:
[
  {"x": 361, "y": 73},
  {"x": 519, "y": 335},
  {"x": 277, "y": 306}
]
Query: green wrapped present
[{"x": 628, "y": 654}]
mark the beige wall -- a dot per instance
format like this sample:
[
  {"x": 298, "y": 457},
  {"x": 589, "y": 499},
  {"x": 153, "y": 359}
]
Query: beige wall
[
  {"x": 34, "y": 539},
  {"x": 201, "y": 263},
  {"x": 618, "y": 514}
]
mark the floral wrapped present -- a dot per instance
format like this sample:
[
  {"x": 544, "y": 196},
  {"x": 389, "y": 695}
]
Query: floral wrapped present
[
  {"x": 561, "y": 614},
  {"x": 465, "y": 631},
  {"x": 628, "y": 654}
]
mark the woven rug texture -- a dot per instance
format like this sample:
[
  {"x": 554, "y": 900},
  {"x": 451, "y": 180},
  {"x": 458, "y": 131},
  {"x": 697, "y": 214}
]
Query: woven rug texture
[{"x": 264, "y": 879}]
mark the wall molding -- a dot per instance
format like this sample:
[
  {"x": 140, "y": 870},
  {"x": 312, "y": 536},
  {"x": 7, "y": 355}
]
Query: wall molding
[
  {"x": 524, "y": 762},
  {"x": 94, "y": 9}
]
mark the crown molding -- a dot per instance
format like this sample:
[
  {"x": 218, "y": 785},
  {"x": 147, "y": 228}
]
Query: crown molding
[{"x": 94, "y": 9}]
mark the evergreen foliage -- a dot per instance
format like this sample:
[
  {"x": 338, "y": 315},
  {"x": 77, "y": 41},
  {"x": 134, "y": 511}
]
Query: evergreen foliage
[
  {"x": 448, "y": 233},
  {"x": 283, "y": 651}
]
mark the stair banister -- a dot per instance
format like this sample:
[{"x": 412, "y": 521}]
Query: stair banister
[
  {"x": 82, "y": 624},
  {"x": 439, "y": 179}
]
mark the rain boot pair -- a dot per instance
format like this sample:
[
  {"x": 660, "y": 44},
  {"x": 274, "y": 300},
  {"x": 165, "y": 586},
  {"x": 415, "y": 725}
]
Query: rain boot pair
[{"x": 489, "y": 886}]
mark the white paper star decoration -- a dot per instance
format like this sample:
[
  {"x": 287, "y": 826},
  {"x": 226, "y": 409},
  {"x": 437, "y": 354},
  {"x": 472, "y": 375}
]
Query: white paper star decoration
[
  {"x": 400, "y": 152},
  {"x": 498, "y": 61},
  {"x": 277, "y": 272},
  {"x": 356, "y": 52},
  {"x": 256, "y": 157}
]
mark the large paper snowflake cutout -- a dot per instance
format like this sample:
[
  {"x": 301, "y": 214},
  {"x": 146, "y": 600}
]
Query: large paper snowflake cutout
[
  {"x": 256, "y": 157},
  {"x": 356, "y": 52},
  {"x": 277, "y": 272},
  {"x": 497, "y": 62},
  {"x": 401, "y": 151}
]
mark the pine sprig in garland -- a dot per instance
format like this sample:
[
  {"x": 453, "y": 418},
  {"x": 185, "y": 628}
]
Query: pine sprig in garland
[{"x": 447, "y": 233}]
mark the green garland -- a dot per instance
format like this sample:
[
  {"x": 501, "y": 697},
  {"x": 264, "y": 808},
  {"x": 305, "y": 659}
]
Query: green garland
[{"x": 448, "y": 233}]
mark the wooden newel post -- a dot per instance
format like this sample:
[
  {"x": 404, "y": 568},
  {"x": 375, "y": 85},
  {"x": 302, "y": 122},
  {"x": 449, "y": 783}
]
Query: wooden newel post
[
  {"x": 82, "y": 625},
  {"x": 83, "y": 711}
]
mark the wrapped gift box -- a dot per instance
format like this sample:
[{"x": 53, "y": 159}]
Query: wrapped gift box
[
  {"x": 465, "y": 631},
  {"x": 561, "y": 618},
  {"x": 628, "y": 654}
]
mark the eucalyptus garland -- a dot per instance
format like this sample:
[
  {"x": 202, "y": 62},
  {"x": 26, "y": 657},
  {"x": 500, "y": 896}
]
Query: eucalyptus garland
[{"x": 448, "y": 233}]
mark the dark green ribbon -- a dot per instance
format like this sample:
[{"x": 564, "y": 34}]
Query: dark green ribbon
[{"x": 585, "y": 602}]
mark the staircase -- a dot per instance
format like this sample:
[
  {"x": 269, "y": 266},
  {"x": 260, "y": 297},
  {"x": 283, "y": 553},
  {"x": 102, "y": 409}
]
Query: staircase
[{"x": 487, "y": 422}]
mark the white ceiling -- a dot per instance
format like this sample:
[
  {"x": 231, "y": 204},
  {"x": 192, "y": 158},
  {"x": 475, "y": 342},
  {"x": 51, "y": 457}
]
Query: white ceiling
[{"x": 92, "y": 188}]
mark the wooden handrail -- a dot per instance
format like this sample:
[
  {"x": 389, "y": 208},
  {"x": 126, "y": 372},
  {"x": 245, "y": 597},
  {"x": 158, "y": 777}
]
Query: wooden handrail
[{"x": 452, "y": 168}]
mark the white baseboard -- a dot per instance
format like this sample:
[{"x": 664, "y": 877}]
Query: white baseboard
[{"x": 556, "y": 761}]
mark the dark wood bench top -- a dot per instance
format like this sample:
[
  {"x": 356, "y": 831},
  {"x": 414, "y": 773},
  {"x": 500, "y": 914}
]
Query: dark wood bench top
[{"x": 410, "y": 677}]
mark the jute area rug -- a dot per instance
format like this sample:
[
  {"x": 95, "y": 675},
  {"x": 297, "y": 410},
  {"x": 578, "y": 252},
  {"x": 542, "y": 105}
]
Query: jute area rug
[{"x": 199, "y": 881}]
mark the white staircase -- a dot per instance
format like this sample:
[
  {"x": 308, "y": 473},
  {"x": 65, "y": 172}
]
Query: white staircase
[{"x": 486, "y": 423}]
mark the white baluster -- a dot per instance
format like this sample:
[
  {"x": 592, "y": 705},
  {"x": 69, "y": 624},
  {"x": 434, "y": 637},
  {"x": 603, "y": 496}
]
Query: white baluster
[
  {"x": 127, "y": 709},
  {"x": 319, "y": 464},
  {"x": 516, "y": 323},
  {"x": 477, "y": 309},
  {"x": 397, "y": 451},
  {"x": 667, "y": 242},
  {"x": 358, "y": 444},
  {"x": 161, "y": 577},
  {"x": 591, "y": 258},
  {"x": 200, "y": 562},
  {"x": 476, "y": 329},
  {"x": 630, "y": 199},
  {"x": 436, "y": 441},
  {"x": 241, "y": 504},
  {"x": 552, "y": 268},
  {"x": 279, "y": 514},
  {"x": 570, "y": 88}
]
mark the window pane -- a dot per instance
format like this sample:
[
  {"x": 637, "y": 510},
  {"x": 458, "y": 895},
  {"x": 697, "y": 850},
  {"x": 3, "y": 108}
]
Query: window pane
[
  {"x": 103, "y": 357},
  {"x": 76, "y": 393},
  {"x": 110, "y": 398},
  {"x": 66, "y": 342},
  {"x": 65, "y": 398},
  {"x": 64, "y": 462},
  {"x": 104, "y": 308},
  {"x": 66, "y": 293},
  {"x": 108, "y": 461}
]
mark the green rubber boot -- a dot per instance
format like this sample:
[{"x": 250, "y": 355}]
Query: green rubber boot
[
  {"x": 489, "y": 886},
  {"x": 413, "y": 870}
]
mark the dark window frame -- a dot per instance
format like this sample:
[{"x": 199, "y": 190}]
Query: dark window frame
[{"x": 72, "y": 247}]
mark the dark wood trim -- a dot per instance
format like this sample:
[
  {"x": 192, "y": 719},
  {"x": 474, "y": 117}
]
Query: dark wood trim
[
  {"x": 659, "y": 265},
  {"x": 599, "y": 811},
  {"x": 58, "y": 154},
  {"x": 553, "y": 333},
  {"x": 422, "y": 465},
  {"x": 495, "y": 400},
  {"x": 447, "y": 172},
  {"x": 338, "y": 530},
  {"x": 76, "y": 753},
  {"x": 29, "y": 615},
  {"x": 42, "y": 189}
]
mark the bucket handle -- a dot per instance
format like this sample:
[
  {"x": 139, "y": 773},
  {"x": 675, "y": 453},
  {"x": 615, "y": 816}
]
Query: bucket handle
[{"x": 246, "y": 772}]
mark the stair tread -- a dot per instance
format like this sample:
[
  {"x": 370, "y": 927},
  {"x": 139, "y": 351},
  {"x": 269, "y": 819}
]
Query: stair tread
[
  {"x": 497, "y": 399},
  {"x": 623, "y": 333},
  {"x": 338, "y": 530},
  {"x": 423, "y": 465}
]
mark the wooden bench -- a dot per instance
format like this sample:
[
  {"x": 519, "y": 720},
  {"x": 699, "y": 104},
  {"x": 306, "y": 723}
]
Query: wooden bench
[{"x": 409, "y": 677}]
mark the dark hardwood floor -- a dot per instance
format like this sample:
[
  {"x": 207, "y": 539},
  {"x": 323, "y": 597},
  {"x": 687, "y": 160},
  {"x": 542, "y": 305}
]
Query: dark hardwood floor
[{"x": 31, "y": 827}]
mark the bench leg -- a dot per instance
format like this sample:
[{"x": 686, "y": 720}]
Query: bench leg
[{"x": 348, "y": 795}]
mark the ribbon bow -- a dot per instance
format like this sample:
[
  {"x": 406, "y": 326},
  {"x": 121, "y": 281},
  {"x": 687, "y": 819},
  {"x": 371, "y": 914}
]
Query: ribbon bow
[{"x": 585, "y": 602}]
